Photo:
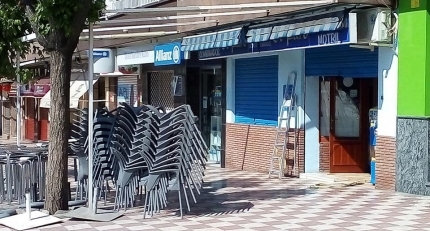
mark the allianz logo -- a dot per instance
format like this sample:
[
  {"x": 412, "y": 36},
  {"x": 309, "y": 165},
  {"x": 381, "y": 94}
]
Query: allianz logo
[
  {"x": 100, "y": 53},
  {"x": 173, "y": 55}
]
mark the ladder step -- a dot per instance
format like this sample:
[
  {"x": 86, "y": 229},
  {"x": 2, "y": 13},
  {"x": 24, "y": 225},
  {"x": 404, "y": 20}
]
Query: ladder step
[{"x": 285, "y": 132}]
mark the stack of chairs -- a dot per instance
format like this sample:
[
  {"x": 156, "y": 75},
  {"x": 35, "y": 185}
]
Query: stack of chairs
[
  {"x": 79, "y": 149},
  {"x": 178, "y": 161},
  {"x": 145, "y": 150}
]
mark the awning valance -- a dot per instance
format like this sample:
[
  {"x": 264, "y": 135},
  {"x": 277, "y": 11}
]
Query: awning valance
[
  {"x": 228, "y": 38},
  {"x": 258, "y": 35},
  {"x": 198, "y": 42},
  {"x": 307, "y": 27},
  {"x": 224, "y": 38},
  {"x": 79, "y": 85}
]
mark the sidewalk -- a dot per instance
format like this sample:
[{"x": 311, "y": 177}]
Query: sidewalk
[
  {"x": 239, "y": 200},
  {"x": 13, "y": 141}
]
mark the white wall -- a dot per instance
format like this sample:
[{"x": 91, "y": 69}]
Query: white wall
[
  {"x": 230, "y": 91},
  {"x": 292, "y": 61},
  {"x": 312, "y": 133},
  {"x": 387, "y": 91}
]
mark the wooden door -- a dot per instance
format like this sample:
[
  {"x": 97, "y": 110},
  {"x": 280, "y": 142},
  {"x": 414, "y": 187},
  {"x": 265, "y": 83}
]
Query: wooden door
[
  {"x": 347, "y": 108},
  {"x": 29, "y": 118},
  {"x": 44, "y": 124}
]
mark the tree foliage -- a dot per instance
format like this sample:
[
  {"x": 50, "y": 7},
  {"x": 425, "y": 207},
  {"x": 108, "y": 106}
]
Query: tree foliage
[
  {"x": 13, "y": 26},
  {"x": 57, "y": 25},
  {"x": 61, "y": 21},
  {"x": 48, "y": 19}
]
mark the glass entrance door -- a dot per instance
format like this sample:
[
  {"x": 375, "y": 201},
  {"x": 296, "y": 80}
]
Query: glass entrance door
[
  {"x": 344, "y": 106},
  {"x": 211, "y": 112}
]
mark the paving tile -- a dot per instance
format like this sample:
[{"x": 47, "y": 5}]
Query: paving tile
[
  {"x": 78, "y": 227},
  {"x": 233, "y": 200}
]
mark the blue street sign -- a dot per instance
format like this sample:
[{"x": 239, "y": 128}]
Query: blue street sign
[{"x": 98, "y": 54}]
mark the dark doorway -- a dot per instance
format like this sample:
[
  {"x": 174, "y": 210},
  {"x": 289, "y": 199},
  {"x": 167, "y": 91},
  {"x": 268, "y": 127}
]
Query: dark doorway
[{"x": 193, "y": 90}]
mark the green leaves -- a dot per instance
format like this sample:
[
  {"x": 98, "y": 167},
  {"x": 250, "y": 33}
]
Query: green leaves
[
  {"x": 57, "y": 23},
  {"x": 13, "y": 25}
]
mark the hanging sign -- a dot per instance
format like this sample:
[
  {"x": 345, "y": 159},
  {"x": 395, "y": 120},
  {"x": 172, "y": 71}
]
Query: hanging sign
[
  {"x": 300, "y": 41},
  {"x": 177, "y": 85}
]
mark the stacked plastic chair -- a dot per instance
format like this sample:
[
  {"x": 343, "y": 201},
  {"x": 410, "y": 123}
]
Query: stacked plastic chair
[
  {"x": 147, "y": 148},
  {"x": 79, "y": 149},
  {"x": 104, "y": 163},
  {"x": 178, "y": 162}
]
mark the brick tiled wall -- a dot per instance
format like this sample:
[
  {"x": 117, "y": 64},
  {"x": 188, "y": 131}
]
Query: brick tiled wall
[
  {"x": 249, "y": 147},
  {"x": 324, "y": 154},
  {"x": 385, "y": 155}
]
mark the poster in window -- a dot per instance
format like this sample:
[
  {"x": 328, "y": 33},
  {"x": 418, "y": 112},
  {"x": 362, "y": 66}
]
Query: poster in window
[{"x": 177, "y": 86}]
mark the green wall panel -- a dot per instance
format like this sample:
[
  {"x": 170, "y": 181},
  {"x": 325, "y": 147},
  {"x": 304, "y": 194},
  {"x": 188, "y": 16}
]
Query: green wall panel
[{"x": 414, "y": 66}]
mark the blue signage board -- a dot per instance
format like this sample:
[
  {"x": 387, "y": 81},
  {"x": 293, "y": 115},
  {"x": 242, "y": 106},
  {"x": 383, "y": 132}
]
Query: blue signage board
[
  {"x": 100, "y": 54},
  {"x": 301, "y": 41},
  {"x": 168, "y": 54}
]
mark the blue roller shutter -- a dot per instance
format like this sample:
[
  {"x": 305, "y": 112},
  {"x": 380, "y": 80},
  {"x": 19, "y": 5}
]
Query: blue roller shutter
[
  {"x": 341, "y": 60},
  {"x": 256, "y": 87}
]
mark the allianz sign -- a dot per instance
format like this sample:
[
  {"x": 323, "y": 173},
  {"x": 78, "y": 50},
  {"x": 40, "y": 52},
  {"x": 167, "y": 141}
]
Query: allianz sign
[{"x": 168, "y": 54}]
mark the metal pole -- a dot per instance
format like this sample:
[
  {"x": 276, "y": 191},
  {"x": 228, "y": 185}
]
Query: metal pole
[
  {"x": 18, "y": 100},
  {"x": 90, "y": 118}
]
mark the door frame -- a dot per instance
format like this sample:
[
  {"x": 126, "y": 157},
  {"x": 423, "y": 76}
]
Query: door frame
[
  {"x": 204, "y": 73},
  {"x": 364, "y": 124}
]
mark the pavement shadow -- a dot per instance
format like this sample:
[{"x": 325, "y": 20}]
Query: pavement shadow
[{"x": 212, "y": 202}]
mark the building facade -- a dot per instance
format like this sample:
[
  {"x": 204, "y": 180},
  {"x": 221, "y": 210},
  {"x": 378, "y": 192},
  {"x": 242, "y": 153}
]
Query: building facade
[
  {"x": 342, "y": 77},
  {"x": 412, "y": 140},
  {"x": 234, "y": 76}
]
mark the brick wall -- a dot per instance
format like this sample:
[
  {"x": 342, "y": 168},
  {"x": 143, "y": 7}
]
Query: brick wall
[
  {"x": 385, "y": 155},
  {"x": 249, "y": 147},
  {"x": 324, "y": 154}
]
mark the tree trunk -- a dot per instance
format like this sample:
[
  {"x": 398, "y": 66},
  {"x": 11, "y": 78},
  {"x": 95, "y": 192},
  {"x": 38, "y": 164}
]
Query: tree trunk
[{"x": 56, "y": 173}]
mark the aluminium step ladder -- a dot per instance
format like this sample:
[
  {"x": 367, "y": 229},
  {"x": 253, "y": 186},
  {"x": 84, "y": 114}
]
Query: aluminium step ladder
[{"x": 287, "y": 111}]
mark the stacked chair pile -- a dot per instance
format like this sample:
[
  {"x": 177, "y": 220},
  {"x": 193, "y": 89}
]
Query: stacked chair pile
[{"x": 143, "y": 151}]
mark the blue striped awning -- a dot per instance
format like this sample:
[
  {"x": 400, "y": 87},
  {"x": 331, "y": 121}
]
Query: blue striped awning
[
  {"x": 258, "y": 35},
  {"x": 314, "y": 26},
  {"x": 224, "y": 38},
  {"x": 198, "y": 42},
  {"x": 228, "y": 38}
]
